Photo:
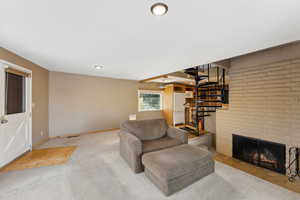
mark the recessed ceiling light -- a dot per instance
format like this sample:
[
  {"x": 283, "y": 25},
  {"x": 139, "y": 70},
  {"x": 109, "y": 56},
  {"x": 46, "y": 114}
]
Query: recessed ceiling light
[
  {"x": 159, "y": 9},
  {"x": 98, "y": 67}
]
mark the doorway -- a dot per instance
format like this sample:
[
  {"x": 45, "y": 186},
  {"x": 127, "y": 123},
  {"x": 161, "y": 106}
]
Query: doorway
[{"x": 15, "y": 112}]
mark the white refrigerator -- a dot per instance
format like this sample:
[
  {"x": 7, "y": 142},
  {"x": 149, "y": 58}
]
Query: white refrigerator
[{"x": 178, "y": 110}]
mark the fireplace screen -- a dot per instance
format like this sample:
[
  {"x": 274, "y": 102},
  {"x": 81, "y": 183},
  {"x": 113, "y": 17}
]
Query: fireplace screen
[{"x": 262, "y": 153}]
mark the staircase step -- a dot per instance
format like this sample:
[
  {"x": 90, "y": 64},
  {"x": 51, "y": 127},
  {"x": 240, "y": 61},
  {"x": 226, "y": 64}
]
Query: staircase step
[
  {"x": 203, "y": 78},
  {"x": 203, "y": 115},
  {"x": 191, "y": 71},
  {"x": 202, "y": 106},
  {"x": 207, "y": 84},
  {"x": 209, "y": 101},
  {"x": 209, "y": 89},
  {"x": 211, "y": 95}
]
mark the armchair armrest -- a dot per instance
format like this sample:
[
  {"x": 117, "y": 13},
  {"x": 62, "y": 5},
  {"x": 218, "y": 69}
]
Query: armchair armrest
[
  {"x": 178, "y": 134},
  {"x": 132, "y": 142},
  {"x": 131, "y": 150}
]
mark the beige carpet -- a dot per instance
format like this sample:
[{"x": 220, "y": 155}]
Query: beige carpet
[
  {"x": 97, "y": 171},
  {"x": 41, "y": 158}
]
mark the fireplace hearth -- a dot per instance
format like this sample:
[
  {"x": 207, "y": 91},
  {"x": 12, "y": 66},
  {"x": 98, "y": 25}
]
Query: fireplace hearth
[{"x": 261, "y": 153}]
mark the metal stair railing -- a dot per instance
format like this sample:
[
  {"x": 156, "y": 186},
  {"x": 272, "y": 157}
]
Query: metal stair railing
[{"x": 204, "y": 90}]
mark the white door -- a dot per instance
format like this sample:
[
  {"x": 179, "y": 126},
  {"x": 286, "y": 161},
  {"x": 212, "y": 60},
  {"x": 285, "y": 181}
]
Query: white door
[
  {"x": 179, "y": 101},
  {"x": 178, "y": 118},
  {"x": 15, "y": 112},
  {"x": 178, "y": 114}
]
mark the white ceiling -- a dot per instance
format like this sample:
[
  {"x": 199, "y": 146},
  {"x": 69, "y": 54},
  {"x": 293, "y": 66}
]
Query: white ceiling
[{"x": 123, "y": 36}]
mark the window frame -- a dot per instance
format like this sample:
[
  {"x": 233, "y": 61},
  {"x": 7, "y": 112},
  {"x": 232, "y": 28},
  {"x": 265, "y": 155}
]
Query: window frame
[
  {"x": 24, "y": 97},
  {"x": 150, "y": 92}
]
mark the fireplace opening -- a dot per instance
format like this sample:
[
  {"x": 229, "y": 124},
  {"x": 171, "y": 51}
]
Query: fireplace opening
[{"x": 262, "y": 153}]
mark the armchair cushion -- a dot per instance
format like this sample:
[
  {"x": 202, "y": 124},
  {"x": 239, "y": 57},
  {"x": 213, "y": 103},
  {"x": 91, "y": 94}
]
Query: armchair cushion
[
  {"x": 158, "y": 144},
  {"x": 146, "y": 129}
]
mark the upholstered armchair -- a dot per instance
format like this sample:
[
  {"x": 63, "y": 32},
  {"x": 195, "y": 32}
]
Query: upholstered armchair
[{"x": 143, "y": 136}]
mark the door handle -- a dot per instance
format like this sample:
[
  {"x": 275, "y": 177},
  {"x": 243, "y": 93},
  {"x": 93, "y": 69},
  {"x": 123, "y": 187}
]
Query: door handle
[{"x": 3, "y": 120}]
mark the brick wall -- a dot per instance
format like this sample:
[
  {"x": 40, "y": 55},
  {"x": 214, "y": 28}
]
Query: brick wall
[{"x": 264, "y": 98}]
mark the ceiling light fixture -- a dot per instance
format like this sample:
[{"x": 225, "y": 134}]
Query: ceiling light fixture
[
  {"x": 159, "y": 9},
  {"x": 98, "y": 67}
]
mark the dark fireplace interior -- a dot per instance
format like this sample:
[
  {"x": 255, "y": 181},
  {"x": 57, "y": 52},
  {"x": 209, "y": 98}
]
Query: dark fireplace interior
[{"x": 262, "y": 153}]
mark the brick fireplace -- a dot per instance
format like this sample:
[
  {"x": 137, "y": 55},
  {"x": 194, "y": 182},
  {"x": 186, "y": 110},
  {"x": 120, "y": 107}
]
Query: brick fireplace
[
  {"x": 264, "y": 99},
  {"x": 269, "y": 155}
]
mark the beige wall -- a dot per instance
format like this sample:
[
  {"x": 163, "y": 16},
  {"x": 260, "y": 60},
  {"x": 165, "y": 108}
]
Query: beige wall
[
  {"x": 80, "y": 104},
  {"x": 264, "y": 98},
  {"x": 40, "y": 80}
]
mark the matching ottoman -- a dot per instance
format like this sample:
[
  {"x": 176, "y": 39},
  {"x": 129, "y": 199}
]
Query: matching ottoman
[{"x": 175, "y": 168}]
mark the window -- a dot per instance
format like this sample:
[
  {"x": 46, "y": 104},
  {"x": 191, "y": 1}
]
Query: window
[
  {"x": 150, "y": 100},
  {"x": 15, "y": 94}
]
